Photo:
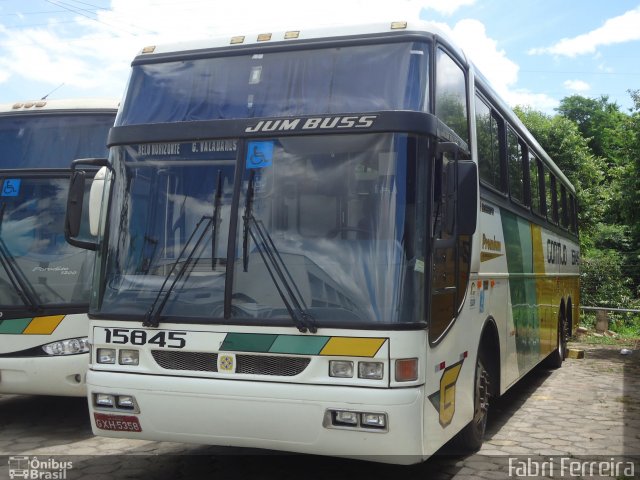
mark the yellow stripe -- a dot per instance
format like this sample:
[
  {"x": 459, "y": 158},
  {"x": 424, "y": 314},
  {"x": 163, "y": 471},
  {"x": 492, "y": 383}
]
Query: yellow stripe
[
  {"x": 43, "y": 325},
  {"x": 352, "y": 347},
  {"x": 538, "y": 249}
]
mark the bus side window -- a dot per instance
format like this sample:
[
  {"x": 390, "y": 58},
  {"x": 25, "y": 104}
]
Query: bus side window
[
  {"x": 488, "y": 135},
  {"x": 534, "y": 183},
  {"x": 551, "y": 196},
  {"x": 516, "y": 167},
  {"x": 451, "y": 95},
  {"x": 562, "y": 205}
]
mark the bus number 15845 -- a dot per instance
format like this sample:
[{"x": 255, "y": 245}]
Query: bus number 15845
[{"x": 162, "y": 338}]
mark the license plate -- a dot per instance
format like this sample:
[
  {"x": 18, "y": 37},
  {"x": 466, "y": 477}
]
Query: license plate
[{"x": 118, "y": 423}]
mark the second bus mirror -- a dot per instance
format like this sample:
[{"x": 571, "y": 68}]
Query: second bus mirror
[
  {"x": 95, "y": 200},
  {"x": 78, "y": 217},
  {"x": 75, "y": 200}
]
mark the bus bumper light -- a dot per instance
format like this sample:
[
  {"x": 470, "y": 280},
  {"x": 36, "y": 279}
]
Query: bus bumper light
[
  {"x": 126, "y": 402},
  {"x": 71, "y": 346},
  {"x": 346, "y": 418},
  {"x": 350, "y": 420},
  {"x": 104, "y": 400},
  {"x": 374, "y": 420}
]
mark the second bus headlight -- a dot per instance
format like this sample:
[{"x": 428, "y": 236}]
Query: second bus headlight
[{"x": 71, "y": 346}]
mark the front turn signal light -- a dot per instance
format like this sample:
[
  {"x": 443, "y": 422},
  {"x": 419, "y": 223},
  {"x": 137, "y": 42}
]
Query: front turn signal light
[{"x": 406, "y": 369}]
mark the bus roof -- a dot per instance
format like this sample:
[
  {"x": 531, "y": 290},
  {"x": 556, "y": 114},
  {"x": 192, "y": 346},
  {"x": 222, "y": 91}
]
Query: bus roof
[
  {"x": 293, "y": 35},
  {"x": 66, "y": 105},
  {"x": 281, "y": 37}
]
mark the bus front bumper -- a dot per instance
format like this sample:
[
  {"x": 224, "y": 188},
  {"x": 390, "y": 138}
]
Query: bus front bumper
[
  {"x": 267, "y": 415},
  {"x": 54, "y": 375}
]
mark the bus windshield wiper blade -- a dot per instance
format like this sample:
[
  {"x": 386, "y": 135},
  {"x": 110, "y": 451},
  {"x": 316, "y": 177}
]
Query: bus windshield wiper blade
[
  {"x": 274, "y": 264},
  {"x": 152, "y": 317},
  {"x": 15, "y": 275},
  {"x": 217, "y": 202}
]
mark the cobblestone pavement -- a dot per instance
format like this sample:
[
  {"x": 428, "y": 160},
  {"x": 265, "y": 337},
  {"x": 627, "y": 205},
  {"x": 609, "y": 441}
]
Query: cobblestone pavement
[{"x": 589, "y": 410}]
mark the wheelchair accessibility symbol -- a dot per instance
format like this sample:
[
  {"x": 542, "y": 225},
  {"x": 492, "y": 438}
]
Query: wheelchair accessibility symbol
[
  {"x": 259, "y": 154},
  {"x": 11, "y": 187}
]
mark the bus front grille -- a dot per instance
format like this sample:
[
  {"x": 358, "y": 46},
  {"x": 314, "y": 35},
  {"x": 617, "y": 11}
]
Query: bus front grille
[{"x": 283, "y": 366}]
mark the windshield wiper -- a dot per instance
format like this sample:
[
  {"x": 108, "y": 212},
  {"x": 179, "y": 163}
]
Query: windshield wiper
[
  {"x": 15, "y": 275},
  {"x": 216, "y": 220},
  {"x": 274, "y": 264},
  {"x": 152, "y": 317}
]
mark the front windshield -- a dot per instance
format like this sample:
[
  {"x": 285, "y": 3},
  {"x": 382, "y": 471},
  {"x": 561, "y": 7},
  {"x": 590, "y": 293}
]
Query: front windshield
[
  {"x": 348, "y": 79},
  {"x": 39, "y": 268},
  {"x": 51, "y": 140},
  {"x": 235, "y": 231}
]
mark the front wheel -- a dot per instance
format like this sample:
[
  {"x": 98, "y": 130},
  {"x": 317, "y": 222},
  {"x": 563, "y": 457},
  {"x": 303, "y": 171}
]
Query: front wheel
[{"x": 471, "y": 437}]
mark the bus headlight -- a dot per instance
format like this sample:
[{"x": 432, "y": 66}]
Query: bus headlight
[
  {"x": 106, "y": 355},
  {"x": 71, "y": 346},
  {"x": 129, "y": 357},
  {"x": 371, "y": 370},
  {"x": 341, "y": 369}
]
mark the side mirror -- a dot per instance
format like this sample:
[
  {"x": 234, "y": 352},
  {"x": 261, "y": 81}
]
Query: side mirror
[
  {"x": 75, "y": 217},
  {"x": 467, "y": 202},
  {"x": 459, "y": 190}
]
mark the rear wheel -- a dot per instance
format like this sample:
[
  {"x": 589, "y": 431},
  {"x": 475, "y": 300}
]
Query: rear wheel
[
  {"x": 560, "y": 353},
  {"x": 471, "y": 436}
]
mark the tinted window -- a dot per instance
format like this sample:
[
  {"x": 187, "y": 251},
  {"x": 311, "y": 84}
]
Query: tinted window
[
  {"x": 488, "y": 145},
  {"x": 551, "y": 197},
  {"x": 534, "y": 181},
  {"x": 451, "y": 95},
  {"x": 516, "y": 170}
]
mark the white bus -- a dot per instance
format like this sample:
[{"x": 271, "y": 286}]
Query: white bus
[
  {"x": 44, "y": 282},
  {"x": 334, "y": 242}
]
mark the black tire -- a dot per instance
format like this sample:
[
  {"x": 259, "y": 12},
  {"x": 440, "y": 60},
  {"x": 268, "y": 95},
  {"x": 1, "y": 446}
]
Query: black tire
[
  {"x": 556, "y": 358},
  {"x": 471, "y": 437}
]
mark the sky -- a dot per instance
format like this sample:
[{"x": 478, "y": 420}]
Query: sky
[{"x": 534, "y": 52}]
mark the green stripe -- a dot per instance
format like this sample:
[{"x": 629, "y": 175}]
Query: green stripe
[
  {"x": 14, "y": 326},
  {"x": 247, "y": 342},
  {"x": 296, "y": 344},
  {"x": 266, "y": 343},
  {"x": 522, "y": 286}
]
